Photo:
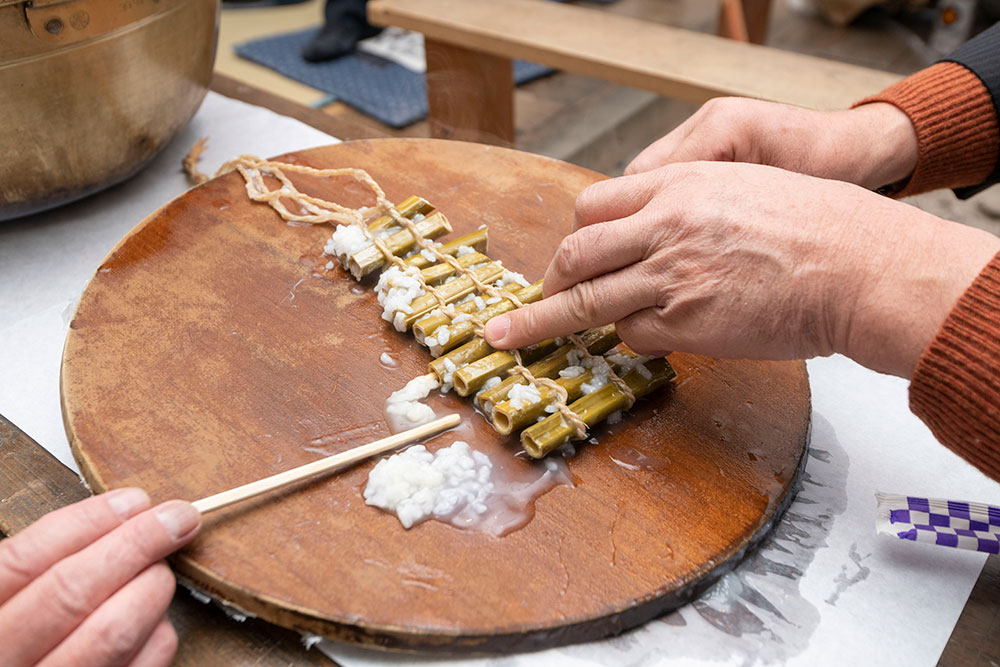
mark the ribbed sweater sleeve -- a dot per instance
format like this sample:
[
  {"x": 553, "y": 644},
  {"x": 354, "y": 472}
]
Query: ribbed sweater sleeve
[
  {"x": 958, "y": 138},
  {"x": 956, "y": 386}
]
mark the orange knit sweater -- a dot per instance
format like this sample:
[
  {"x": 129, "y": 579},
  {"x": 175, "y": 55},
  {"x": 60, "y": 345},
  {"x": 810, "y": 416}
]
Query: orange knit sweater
[{"x": 956, "y": 386}]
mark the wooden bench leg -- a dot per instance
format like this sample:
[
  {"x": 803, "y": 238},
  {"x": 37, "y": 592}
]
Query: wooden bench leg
[
  {"x": 744, "y": 20},
  {"x": 470, "y": 95}
]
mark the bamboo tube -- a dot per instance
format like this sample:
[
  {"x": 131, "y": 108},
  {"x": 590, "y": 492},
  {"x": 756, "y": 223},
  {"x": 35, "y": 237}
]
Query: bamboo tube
[
  {"x": 370, "y": 258},
  {"x": 477, "y": 348},
  {"x": 426, "y": 326},
  {"x": 477, "y": 240},
  {"x": 540, "y": 439},
  {"x": 408, "y": 208},
  {"x": 598, "y": 341},
  {"x": 438, "y": 273},
  {"x": 474, "y": 349},
  {"x": 450, "y": 292},
  {"x": 507, "y": 419},
  {"x": 459, "y": 332},
  {"x": 471, "y": 378}
]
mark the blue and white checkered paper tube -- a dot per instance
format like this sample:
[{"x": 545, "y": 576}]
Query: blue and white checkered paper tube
[{"x": 948, "y": 523}]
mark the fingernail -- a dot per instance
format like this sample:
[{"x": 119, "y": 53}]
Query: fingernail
[
  {"x": 497, "y": 328},
  {"x": 178, "y": 518},
  {"x": 126, "y": 503}
]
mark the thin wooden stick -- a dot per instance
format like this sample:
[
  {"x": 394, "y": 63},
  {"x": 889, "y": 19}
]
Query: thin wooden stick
[{"x": 252, "y": 489}]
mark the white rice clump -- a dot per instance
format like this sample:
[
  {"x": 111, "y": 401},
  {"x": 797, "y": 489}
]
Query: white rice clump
[
  {"x": 601, "y": 371},
  {"x": 428, "y": 254},
  {"x": 513, "y": 277},
  {"x": 492, "y": 382},
  {"x": 572, "y": 372},
  {"x": 627, "y": 363},
  {"x": 346, "y": 240},
  {"x": 404, "y": 409},
  {"x": 464, "y": 250},
  {"x": 396, "y": 290},
  {"x": 523, "y": 395},
  {"x": 418, "y": 485}
]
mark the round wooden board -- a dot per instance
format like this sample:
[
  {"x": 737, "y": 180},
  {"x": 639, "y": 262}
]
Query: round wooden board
[{"x": 206, "y": 352}]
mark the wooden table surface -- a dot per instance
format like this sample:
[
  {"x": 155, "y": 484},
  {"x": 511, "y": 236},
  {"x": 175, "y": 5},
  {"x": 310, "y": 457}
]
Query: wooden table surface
[{"x": 33, "y": 482}]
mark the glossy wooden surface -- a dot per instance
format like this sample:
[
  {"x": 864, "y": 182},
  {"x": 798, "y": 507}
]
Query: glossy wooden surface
[{"x": 205, "y": 353}]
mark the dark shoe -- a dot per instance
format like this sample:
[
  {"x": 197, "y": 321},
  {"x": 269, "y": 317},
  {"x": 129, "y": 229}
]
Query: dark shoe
[{"x": 334, "y": 41}]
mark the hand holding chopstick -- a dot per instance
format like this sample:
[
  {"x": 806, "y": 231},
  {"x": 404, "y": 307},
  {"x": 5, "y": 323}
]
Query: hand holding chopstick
[{"x": 281, "y": 479}]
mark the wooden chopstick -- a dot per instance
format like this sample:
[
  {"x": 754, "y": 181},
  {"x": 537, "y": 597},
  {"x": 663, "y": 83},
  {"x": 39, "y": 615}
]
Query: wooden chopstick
[{"x": 252, "y": 489}]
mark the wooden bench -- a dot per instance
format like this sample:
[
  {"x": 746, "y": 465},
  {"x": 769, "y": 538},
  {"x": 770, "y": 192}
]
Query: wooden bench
[{"x": 470, "y": 44}]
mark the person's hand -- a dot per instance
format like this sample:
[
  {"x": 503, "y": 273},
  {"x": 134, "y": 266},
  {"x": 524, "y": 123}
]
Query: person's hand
[
  {"x": 86, "y": 584},
  {"x": 747, "y": 261},
  {"x": 873, "y": 145}
]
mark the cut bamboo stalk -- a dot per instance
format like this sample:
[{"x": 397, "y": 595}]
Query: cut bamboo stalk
[
  {"x": 598, "y": 341},
  {"x": 427, "y": 326},
  {"x": 477, "y": 240},
  {"x": 449, "y": 291},
  {"x": 342, "y": 459},
  {"x": 370, "y": 258},
  {"x": 438, "y": 273},
  {"x": 459, "y": 332},
  {"x": 410, "y": 207},
  {"x": 471, "y": 378},
  {"x": 477, "y": 348},
  {"x": 540, "y": 439}
]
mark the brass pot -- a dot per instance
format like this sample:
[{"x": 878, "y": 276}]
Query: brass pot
[{"x": 91, "y": 90}]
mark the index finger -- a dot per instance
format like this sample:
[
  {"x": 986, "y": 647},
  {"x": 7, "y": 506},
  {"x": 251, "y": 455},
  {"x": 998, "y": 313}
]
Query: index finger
[
  {"x": 614, "y": 199},
  {"x": 62, "y": 533},
  {"x": 602, "y": 300}
]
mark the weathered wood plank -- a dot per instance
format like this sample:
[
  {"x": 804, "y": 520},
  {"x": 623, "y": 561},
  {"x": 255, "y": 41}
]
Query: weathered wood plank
[{"x": 673, "y": 62}]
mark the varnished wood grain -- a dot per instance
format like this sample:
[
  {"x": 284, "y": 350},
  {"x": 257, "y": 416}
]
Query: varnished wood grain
[{"x": 205, "y": 353}]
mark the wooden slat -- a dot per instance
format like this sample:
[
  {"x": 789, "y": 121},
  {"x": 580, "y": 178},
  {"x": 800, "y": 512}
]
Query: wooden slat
[
  {"x": 470, "y": 95},
  {"x": 33, "y": 483},
  {"x": 669, "y": 61},
  {"x": 975, "y": 639}
]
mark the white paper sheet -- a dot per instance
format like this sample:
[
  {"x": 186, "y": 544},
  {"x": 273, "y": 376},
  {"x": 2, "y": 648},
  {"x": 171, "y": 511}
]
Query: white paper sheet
[{"x": 825, "y": 590}]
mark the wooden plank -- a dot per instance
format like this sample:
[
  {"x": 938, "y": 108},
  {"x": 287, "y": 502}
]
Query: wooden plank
[
  {"x": 470, "y": 94},
  {"x": 669, "y": 61},
  {"x": 975, "y": 640},
  {"x": 33, "y": 483}
]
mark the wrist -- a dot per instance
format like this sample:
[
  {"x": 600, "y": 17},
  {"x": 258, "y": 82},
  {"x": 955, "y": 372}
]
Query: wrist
[
  {"x": 886, "y": 142},
  {"x": 908, "y": 289}
]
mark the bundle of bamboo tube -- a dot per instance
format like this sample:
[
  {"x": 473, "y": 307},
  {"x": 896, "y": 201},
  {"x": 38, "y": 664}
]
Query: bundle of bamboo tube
[
  {"x": 552, "y": 391},
  {"x": 459, "y": 288}
]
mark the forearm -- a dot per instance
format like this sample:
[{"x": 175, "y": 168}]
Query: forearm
[{"x": 908, "y": 288}]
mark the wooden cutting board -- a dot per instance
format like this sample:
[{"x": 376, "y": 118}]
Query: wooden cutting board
[{"x": 206, "y": 353}]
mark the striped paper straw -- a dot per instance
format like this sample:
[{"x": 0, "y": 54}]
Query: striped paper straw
[{"x": 947, "y": 523}]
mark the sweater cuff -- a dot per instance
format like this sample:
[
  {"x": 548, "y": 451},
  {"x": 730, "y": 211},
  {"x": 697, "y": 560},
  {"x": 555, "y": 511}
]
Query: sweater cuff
[
  {"x": 956, "y": 125},
  {"x": 956, "y": 385}
]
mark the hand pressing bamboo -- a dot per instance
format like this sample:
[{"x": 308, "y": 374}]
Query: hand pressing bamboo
[{"x": 598, "y": 341}]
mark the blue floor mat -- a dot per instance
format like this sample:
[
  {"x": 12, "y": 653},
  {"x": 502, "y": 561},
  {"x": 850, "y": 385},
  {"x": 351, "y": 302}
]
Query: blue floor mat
[{"x": 380, "y": 88}]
